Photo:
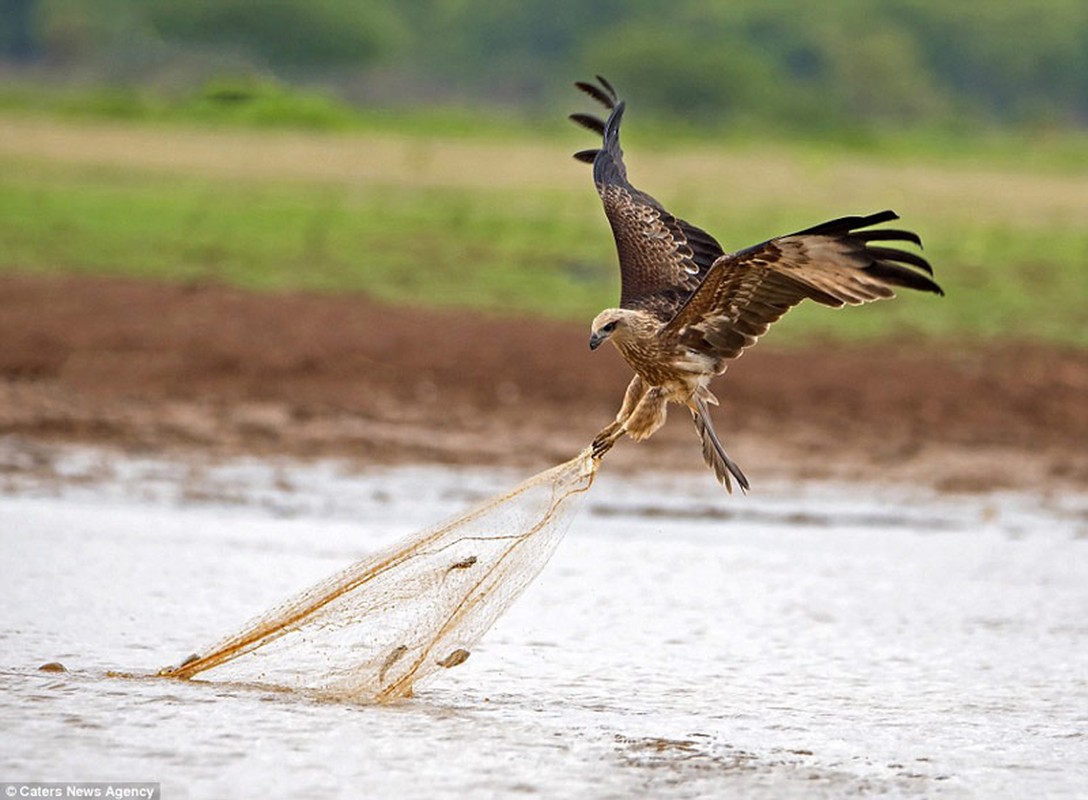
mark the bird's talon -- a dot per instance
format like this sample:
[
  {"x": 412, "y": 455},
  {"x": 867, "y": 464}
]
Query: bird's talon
[{"x": 602, "y": 445}]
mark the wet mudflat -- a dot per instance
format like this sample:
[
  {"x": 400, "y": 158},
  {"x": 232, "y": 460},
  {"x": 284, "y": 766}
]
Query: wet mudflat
[{"x": 808, "y": 640}]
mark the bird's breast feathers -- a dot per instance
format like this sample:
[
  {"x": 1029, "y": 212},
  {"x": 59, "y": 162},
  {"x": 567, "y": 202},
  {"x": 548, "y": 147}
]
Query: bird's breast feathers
[{"x": 678, "y": 370}]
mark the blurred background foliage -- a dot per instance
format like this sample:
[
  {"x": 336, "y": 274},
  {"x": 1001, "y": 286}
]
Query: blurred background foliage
[
  {"x": 793, "y": 64},
  {"x": 426, "y": 159}
]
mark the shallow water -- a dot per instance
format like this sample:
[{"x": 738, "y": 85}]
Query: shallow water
[{"x": 803, "y": 641}]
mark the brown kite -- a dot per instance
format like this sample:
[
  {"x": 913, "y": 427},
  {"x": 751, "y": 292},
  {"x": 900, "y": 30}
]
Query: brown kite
[{"x": 687, "y": 308}]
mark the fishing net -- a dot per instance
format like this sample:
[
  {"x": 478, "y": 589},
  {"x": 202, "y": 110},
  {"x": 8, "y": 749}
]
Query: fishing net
[{"x": 376, "y": 629}]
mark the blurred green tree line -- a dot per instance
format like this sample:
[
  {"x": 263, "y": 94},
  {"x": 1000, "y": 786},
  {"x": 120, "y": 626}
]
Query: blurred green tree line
[{"x": 790, "y": 63}]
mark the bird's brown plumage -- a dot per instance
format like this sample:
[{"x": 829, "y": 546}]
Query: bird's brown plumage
[{"x": 687, "y": 308}]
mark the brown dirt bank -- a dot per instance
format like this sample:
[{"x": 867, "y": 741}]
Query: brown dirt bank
[{"x": 154, "y": 367}]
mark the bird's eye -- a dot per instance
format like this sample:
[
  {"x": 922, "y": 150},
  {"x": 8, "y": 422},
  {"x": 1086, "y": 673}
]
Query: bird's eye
[{"x": 611, "y": 326}]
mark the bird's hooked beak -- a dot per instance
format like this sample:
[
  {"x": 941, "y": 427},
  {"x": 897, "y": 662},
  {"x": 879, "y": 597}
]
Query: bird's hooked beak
[{"x": 596, "y": 338}]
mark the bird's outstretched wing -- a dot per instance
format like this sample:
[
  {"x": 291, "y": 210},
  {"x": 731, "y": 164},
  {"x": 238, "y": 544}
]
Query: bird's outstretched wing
[
  {"x": 663, "y": 259},
  {"x": 836, "y": 263}
]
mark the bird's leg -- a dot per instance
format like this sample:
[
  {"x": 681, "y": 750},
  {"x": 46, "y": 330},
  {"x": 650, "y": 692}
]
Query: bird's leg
[
  {"x": 649, "y": 415},
  {"x": 611, "y": 433}
]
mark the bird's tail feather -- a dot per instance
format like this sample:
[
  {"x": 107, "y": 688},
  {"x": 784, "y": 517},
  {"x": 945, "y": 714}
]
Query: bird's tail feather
[{"x": 713, "y": 452}]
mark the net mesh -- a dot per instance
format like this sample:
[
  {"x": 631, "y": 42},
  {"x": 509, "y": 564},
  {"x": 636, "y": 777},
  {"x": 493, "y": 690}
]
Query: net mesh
[{"x": 378, "y": 628}]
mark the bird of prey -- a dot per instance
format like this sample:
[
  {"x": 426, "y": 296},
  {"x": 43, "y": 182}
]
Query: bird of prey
[{"x": 687, "y": 308}]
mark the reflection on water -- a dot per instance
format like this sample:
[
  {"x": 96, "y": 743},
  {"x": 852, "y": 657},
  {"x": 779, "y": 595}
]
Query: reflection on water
[{"x": 805, "y": 641}]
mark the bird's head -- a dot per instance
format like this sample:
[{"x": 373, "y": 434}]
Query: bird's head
[{"x": 612, "y": 322}]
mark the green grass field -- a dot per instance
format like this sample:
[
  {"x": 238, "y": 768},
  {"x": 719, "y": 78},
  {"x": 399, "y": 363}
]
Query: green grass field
[{"x": 512, "y": 224}]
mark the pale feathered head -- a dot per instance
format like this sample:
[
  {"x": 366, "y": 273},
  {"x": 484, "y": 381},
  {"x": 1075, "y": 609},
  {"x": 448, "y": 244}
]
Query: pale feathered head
[{"x": 610, "y": 322}]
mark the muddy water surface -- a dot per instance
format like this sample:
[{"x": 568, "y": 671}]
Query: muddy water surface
[{"x": 804, "y": 641}]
